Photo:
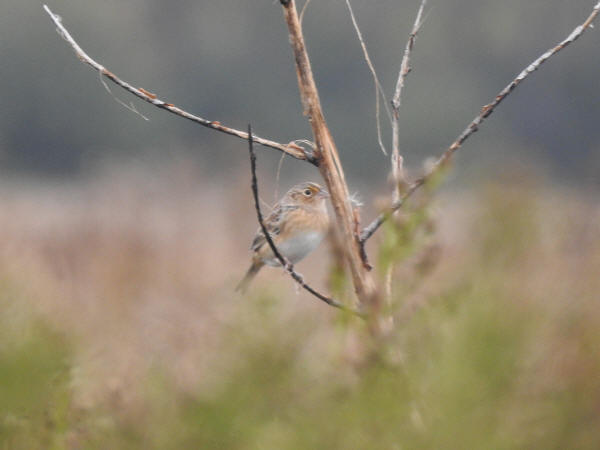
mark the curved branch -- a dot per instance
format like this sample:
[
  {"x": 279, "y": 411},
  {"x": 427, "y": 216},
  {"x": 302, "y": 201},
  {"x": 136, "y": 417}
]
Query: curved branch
[
  {"x": 291, "y": 149},
  {"x": 485, "y": 112},
  {"x": 289, "y": 268}
]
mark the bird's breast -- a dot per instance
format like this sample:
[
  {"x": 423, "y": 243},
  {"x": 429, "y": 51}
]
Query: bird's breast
[{"x": 296, "y": 247}]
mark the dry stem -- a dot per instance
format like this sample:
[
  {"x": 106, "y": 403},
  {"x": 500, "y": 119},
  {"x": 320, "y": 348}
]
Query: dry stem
[
  {"x": 329, "y": 164},
  {"x": 397, "y": 160}
]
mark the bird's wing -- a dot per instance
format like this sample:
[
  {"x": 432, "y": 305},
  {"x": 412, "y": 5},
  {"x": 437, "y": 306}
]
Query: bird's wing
[{"x": 273, "y": 223}]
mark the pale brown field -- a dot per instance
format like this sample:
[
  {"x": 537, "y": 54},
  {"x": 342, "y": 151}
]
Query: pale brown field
[{"x": 497, "y": 323}]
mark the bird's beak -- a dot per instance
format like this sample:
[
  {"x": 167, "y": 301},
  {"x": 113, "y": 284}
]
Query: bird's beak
[{"x": 323, "y": 193}]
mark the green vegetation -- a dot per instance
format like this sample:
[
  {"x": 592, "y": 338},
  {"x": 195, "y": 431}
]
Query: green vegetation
[{"x": 34, "y": 379}]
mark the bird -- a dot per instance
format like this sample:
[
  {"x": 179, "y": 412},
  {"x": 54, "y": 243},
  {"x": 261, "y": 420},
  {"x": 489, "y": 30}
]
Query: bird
[{"x": 296, "y": 224}]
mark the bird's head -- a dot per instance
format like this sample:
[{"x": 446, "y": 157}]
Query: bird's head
[{"x": 308, "y": 194}]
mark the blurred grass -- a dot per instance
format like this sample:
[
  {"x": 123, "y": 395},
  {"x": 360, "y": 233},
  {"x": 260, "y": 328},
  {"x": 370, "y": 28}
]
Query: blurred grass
[
  {"x": 113, "y": 341},
  {"x": 34, "y": 389}
]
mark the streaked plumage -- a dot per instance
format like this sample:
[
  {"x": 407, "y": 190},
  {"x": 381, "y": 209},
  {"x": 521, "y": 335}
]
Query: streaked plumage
[{"x": 297, "y": 225}]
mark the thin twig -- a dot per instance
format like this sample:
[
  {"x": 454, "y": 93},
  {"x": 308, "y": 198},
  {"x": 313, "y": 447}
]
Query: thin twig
[
  {"x": 290, "y": 149},
  {"x": 405, "y": 64},
  {"x": 289, "y": 268},
  {"x": 131, "y": 107},
  {"x": 303, "y": 11},
  {"x": 485, "y": 112},
  {"x": 378, "y": 89},
  {"x": 279, "y": 166},
  {"x": 397, "y": 160}
]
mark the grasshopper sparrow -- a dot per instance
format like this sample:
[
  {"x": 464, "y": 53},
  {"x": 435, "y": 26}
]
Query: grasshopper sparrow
[{"x": 297, "y": 224}]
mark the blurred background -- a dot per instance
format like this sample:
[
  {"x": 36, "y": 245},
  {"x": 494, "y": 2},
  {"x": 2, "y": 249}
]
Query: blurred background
[
  {"x": 121, "y": 239},
  {"x": 230, "y": 61}
]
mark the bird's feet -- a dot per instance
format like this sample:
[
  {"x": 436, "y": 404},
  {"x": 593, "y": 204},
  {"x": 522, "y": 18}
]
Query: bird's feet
[
  {"x": 297, "y": 277},
  {"x": 299, "y": 282}
]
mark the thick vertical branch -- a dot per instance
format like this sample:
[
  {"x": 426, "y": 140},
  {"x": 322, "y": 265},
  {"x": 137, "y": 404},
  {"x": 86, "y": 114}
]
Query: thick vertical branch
[{"x": 326, "y": 156}]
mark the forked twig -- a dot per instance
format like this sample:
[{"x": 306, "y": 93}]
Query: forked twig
[
  {"x": 289, "y": 268},
  {"x": 290, "y": 149},
  {"x": 485, "y": 112}
]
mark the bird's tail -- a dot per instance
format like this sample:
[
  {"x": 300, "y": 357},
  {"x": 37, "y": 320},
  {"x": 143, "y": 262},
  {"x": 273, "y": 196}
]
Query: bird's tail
[{"x": 250, "y": 274}]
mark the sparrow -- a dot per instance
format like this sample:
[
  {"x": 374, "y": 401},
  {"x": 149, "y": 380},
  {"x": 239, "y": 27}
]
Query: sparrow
[{"x": 297, "y": 225}]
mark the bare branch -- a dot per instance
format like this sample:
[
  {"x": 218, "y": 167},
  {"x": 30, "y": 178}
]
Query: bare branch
[
  {"x": 290, "y": 149},
  {"x": 289, "y": 268},
  {"x": 378, "y": 89},
  {"x": 485, "y": 112},
  {"x": 405, "y": 64},
  {"x": 397, "y": 160},
  {"x": 330, "y": 166}
]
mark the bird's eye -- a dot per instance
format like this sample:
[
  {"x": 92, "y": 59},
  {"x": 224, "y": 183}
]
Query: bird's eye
[{"x": 307, "y": 192}]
